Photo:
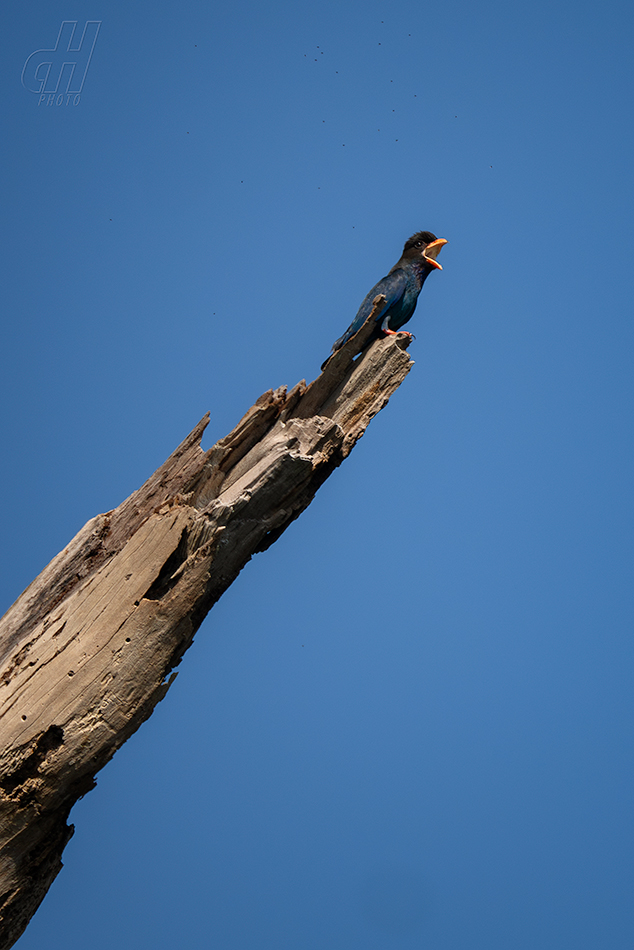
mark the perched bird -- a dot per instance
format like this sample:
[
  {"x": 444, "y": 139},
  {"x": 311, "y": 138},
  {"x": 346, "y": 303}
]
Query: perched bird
[{"x": 400, "y": 287}]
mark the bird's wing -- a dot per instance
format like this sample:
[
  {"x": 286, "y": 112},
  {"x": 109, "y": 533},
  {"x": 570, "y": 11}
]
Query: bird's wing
[{"x": 392, "y": 287}]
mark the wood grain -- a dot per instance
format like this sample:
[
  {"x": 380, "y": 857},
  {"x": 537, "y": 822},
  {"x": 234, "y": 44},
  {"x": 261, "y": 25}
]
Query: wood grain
[{"x": 88, "y": 650}]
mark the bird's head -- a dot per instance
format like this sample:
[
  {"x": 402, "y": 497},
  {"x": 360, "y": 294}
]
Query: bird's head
[{"x": 424, "y": 245}]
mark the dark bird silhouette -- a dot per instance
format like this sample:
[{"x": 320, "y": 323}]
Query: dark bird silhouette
[{"x": 400, "y": 287}]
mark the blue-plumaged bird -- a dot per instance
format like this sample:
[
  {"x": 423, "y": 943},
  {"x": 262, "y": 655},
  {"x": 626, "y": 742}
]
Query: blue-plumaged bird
[{"x": 400, "y": 287}]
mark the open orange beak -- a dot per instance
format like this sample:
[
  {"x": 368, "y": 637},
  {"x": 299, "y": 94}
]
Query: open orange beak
[{"x": 432, "y": 251}]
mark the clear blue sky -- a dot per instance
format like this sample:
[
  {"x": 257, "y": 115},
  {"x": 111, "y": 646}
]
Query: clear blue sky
[{"x": 408, "y": 725}]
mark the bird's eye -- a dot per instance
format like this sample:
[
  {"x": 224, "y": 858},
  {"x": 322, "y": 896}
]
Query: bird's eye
[{"x": 418, "y": 244}]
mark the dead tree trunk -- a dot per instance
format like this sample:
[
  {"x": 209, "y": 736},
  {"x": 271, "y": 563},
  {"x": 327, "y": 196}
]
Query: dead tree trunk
[{"x": 86, "y": 650}]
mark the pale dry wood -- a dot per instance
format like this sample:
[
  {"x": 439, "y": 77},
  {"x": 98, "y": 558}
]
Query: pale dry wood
[{"x": 87, "y": 650}]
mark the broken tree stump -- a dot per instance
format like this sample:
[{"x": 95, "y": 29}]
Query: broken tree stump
[{"x": 87, "y": 650}]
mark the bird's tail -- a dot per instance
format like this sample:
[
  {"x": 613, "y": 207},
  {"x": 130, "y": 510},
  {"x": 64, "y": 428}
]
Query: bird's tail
[{"x": 336, "y": 346}]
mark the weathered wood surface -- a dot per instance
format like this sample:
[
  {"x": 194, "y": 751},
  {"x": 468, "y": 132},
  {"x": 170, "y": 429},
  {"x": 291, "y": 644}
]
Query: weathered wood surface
[{"x": 87, "y": 650}]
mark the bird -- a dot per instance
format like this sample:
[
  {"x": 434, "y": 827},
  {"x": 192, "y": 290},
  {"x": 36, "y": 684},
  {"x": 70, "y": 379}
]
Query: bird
[{"x": 401, "y": 287}]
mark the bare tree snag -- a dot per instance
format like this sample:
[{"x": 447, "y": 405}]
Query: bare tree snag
[{"x": 87, "y": 649}]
